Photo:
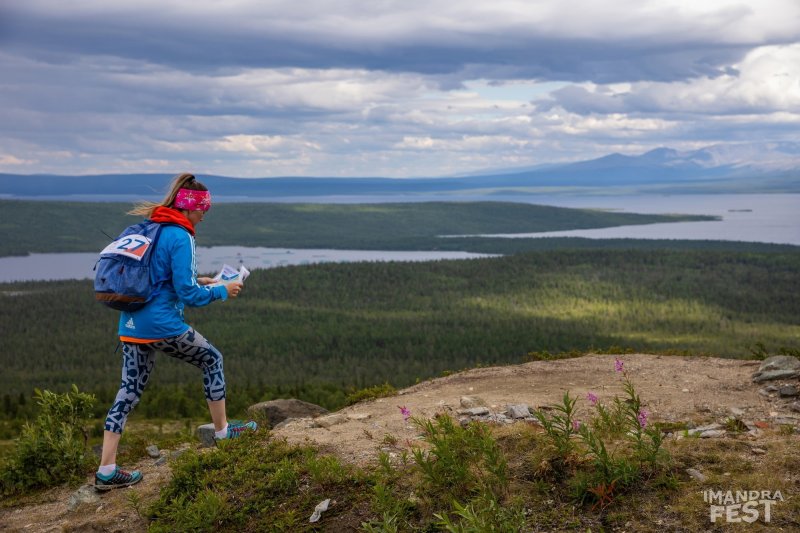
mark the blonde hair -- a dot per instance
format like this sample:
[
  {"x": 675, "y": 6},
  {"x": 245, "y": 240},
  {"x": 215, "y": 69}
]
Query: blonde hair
[{"x": 181, "y": 181}]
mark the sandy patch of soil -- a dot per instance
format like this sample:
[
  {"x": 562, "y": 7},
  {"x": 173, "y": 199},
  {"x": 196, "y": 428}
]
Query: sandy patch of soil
[{"x": 691, "y": 389}]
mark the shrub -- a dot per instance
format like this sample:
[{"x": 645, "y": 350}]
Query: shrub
[
  {"x": 462, "y": 461},
  {"x": 561, "y": 426},
  {"x": 483, "y": 515},
  {"x": 371, "y": 393},
  {"x": 52, "y": 449},
  {"x": 620, "y": 443}
]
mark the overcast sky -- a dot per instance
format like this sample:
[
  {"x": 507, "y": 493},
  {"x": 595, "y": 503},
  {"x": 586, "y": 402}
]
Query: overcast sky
[{"x": 385, "y": 88}]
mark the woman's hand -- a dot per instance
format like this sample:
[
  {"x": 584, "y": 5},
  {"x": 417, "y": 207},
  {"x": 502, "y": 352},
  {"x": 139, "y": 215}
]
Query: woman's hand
[
  {"x": 233, "y": 288},
  {"x": 205, "y": 281}
]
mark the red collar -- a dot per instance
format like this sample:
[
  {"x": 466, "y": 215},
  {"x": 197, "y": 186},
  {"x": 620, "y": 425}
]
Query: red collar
[{"x": 171, "y": 216}]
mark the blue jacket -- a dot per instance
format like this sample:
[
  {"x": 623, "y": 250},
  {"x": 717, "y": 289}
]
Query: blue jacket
[{"x": 174, "y": 261}]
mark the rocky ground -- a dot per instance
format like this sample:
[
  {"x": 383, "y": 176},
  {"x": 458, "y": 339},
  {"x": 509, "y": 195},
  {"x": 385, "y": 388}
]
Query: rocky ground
[
  {"x": 700, "y": 391},
  {"x": 705, "y": 393}
]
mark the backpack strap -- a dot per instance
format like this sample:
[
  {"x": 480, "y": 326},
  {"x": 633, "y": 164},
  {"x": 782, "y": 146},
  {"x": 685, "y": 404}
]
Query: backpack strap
[{"x": 158, "y": 283}]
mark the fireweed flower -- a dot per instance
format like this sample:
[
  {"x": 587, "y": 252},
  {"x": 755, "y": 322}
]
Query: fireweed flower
[
  {"x": 405, "y": 412},
  {"x": 618, "y": 364},
  {"x": 592, "y": 397},
  {"x": 642, "y": 418},
  {"x": 576, "y": 425}
]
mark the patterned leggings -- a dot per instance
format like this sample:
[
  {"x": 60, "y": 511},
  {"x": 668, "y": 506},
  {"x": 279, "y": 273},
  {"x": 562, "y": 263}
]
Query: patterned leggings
[{"x": 138, "y": 361}]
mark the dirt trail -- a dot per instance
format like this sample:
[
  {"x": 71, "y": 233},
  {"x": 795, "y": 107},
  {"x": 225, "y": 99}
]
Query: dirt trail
[{"x": 696, "y": 389}]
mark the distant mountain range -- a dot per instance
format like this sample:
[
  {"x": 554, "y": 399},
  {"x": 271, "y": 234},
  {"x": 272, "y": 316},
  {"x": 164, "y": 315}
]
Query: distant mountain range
[{"x": 753, "y": 167}]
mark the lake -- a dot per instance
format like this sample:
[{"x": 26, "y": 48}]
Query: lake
[
  {"x": 771, "y": 218},
  {"x": 36, "y": 267}
]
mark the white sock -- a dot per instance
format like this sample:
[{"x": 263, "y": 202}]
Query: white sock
[
  {"x": 107, "y": 470},
  {"x": 222, "y": 433}
]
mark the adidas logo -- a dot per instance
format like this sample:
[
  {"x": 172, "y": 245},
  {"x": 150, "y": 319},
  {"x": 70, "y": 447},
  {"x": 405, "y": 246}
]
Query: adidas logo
[{"x": 129, "y": 324}]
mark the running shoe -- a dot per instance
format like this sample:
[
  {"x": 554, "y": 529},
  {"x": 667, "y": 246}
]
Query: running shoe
[
  {"x": 237, "y": 429},
  {"x": 117, "y": 480}
]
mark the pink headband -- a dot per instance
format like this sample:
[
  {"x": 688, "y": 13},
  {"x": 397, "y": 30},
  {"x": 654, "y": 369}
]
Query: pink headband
[{"x": 193, "y": 200}]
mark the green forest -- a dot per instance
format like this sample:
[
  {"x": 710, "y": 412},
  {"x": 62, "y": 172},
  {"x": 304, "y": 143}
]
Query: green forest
[
  {"x": 321, "y": 332},
  {"x": 318, "y": 331}
]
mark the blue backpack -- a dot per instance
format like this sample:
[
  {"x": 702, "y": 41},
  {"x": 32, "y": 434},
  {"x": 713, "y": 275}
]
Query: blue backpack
[{"x": 123, "y": 279}]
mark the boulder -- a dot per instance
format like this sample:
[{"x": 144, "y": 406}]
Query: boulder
[
  {"x": 696, "y": 475},
  {"x": 276, "y": 411},
  {"x": 760, "y": 377},
  {"x": 779, "y": 362},
  {"x": 85, "y": 494},
  {"x": 205, "y": 434},
  {"x": 777, "y": 367},
  {"x": 519, "y": 410}
]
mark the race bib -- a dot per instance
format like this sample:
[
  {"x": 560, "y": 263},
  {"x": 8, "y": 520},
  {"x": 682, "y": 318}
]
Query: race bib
[{"x": 133, "y": 246}]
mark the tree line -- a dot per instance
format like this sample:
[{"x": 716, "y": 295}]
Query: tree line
[
  {"x": 318, "y": 331},
  {"x": 88, "y": 227}
]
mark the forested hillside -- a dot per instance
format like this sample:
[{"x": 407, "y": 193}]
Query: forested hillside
[
  {"x": 315, "y": 331},
  {"x": 85, "y": 227}
]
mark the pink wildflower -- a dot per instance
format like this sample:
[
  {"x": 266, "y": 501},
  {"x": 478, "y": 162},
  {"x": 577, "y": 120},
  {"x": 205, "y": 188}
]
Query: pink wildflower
[
  {"x": 405, "y": 412},
  {"x": 642, "y": 418},
  {"x": 592, "y": 397},
  {"x": 576, "y": 425},
  {"x": 618, "y": 364}
]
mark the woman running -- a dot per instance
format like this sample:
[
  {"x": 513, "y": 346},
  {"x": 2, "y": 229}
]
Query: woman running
[{"x": 160, "y": 327}]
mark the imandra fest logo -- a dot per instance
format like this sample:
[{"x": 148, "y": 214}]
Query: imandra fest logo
[{"x": 741, "y": 505}]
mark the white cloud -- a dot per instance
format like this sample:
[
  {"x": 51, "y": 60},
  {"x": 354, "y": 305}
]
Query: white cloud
[
  {"x": 766, "y": 80},
  {"x": 252, "y": 147},
  {"x": 383, "y": 22},
  {"x": 614, "y": 125},
  {"x": 413, "y": 88},
  {"x": 464, "y": 143},
  {"x": 13, "y": 161}
]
